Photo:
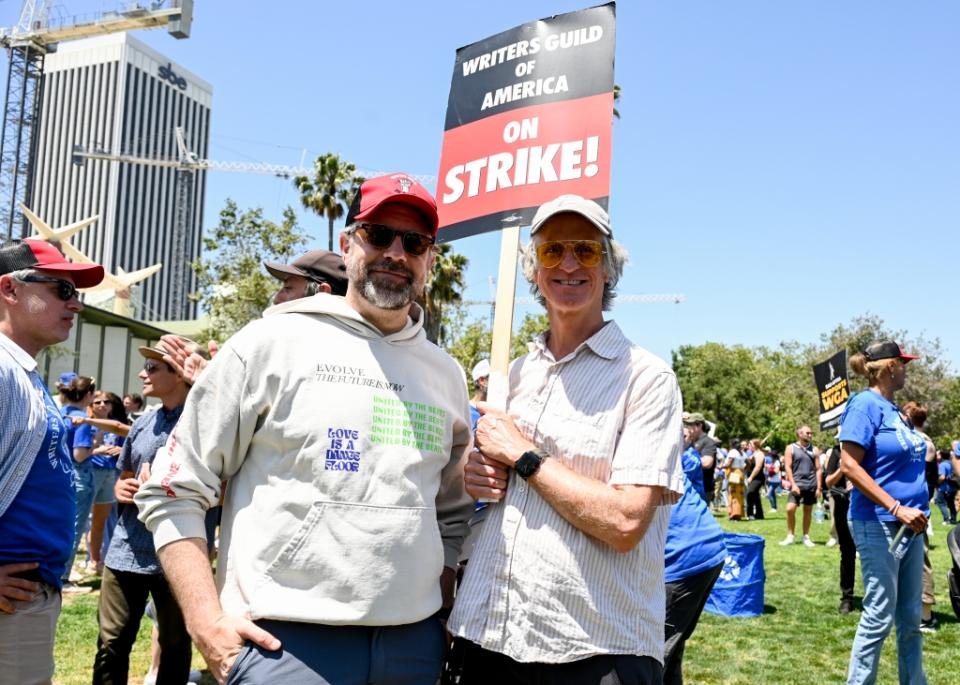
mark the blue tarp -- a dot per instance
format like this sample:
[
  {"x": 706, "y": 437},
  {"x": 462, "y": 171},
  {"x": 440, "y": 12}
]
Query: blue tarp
[{"x": 739, "y": 589}]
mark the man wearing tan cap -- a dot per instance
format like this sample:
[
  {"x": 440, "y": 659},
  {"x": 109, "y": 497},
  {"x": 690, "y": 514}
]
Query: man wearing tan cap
[
  {"x": 132, "y": 571},
  {"x": 317, "y": 271}
]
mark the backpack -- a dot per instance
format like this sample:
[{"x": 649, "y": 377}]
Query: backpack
[{"x": 953, "y": 575}]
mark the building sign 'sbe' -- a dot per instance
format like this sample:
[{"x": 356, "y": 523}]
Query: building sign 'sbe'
[{"x": 168, "y": 74}]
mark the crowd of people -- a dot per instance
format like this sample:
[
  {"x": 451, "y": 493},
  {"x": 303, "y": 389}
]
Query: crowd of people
[{"x": 336, "y": 458}]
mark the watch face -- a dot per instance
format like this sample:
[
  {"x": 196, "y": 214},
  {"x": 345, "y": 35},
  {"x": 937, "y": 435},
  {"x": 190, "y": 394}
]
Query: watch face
[{"x": 528, "y": 464}]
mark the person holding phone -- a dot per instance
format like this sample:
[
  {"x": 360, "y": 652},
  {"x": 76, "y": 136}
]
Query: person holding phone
[{"x": 883, "y": 456}]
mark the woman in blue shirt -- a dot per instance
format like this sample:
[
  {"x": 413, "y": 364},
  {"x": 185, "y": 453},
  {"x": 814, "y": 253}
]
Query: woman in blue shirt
[
  {"x": 883, "y": 456},
  {"x": 78, "y": 394},
  {"x": 103, "y": 458}
]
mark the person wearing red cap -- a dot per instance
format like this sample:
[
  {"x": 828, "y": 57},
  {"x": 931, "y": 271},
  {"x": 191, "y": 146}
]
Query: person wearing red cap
[
  {"x": 882, "y": 454},
  {"x": 38, "y": 304},
  {"x": 343, "y": 432}
]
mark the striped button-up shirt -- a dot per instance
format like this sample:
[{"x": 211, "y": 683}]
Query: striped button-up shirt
[
  {"x": 23, "y": 418},
  {"x": 538, "y": 589}
]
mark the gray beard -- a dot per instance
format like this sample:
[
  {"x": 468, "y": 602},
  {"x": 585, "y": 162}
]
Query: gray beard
[{"x": 382, "y": 293}]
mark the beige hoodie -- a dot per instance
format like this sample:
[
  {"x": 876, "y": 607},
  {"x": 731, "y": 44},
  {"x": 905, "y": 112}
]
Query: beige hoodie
[{"x": 343, "y": 449}]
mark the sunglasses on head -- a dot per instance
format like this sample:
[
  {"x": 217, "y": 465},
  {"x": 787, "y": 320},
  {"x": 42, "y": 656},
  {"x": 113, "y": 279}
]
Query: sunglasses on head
[
  {"x": 587, "y": 252},
  {"x": 66, "y": 290},
  {"x": 382, "y": 237},
  {"x": 151, "y": 366}
]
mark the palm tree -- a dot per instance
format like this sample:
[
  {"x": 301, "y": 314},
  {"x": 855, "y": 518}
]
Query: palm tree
[
  {"x": 331, "y": 190},
  {"x": 616, "y": 99},
  {"x": 445, "y": 284}
]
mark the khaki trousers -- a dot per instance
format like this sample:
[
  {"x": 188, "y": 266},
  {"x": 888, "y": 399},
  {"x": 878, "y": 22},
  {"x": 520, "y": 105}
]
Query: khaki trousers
[{"x": 26, "y": 639}]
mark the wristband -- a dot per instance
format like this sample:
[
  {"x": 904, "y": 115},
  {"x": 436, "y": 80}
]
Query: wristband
[{"x": 895, "y": 508}]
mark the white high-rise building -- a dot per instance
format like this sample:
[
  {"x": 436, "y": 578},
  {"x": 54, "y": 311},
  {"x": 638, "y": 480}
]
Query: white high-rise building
[{"x": 115, "y": 94}]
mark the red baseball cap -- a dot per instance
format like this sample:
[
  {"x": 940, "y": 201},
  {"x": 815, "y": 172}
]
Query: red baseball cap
[
  {"x": 887, "y": 349},
  {"x": 398, "y": 187},
  {"x": 33, "y": 253}
]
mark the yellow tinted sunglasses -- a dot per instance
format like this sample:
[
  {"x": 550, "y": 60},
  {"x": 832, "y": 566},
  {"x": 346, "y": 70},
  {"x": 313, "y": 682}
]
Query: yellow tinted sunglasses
[{"x": 587, "y": 252}]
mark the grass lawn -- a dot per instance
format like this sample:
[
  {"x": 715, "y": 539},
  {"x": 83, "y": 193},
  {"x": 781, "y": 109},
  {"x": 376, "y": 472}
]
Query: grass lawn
[{"x": 799, "y": 639}]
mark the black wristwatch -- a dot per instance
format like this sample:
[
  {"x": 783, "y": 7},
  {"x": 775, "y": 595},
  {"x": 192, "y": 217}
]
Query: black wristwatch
[{"x": 529, "y": 463}]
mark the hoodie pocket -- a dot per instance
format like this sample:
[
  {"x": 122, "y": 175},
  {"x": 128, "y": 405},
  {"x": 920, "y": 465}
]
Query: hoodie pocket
[{"x": 355, "y": 563}]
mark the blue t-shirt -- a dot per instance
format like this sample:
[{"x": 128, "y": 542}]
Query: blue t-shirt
[
  {"x": 131, "y": 548},
  {"x": 38, "y": 525},
  {"x": 893, "y": 455},
  {"x": 694, "y": 538},
  {"x": 77, "y": 436},
  {"x": 945, "y": 469},
  {"x": 105, "y": 461},
  {"x": 693, "y": 469}
]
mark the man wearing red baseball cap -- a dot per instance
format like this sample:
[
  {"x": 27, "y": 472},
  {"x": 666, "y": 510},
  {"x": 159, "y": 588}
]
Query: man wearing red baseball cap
[
  {"x": 345, "y": 564},
  {"x": 38, "y": 302}
]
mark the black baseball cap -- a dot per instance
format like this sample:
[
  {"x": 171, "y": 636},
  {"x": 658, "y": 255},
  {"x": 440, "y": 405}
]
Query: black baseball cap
[
  {"x": 887, "y": 349},
  {"x": 320, "y": 266}
]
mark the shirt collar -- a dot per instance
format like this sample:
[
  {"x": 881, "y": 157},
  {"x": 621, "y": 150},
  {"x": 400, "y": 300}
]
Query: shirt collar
[
  {"x": 170, "y": 414},
  {"x": 609, "y": 342},
  {"x": 18, "y": 353}
]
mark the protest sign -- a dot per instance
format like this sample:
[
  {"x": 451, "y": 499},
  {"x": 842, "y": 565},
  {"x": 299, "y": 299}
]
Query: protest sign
[
  {"x": 833, "y": 389},
  {"x": 529, "y": 118}
]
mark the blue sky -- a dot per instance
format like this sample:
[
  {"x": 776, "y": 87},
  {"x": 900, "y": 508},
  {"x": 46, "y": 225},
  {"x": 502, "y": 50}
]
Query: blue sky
[{"x": 785, "y": 165}]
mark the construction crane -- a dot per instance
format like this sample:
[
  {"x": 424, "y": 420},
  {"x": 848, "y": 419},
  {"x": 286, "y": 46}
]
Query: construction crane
[
  {"x": 673, "y": 298},
  {"x": 35, "y": 35},
  {"x": 187, "y": 164},
  {"x": 652, "y": 298}
]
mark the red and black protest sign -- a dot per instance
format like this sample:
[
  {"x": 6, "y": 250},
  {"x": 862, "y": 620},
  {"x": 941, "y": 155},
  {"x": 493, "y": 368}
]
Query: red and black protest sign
[
  {"x": 529, "y": 118},
  {"x": 832, "y": 388}
]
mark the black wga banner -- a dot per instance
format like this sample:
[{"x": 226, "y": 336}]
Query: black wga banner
[{"x": 832, "y": 388}]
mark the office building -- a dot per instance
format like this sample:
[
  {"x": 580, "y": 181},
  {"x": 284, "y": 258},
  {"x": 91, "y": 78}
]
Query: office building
[{"x": 113, "y": 93}]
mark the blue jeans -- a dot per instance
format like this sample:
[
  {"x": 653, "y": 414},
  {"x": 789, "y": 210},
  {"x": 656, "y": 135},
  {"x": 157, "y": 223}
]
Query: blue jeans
[
  {"x": 891, "y": 593},
  {"x": 772, "y": 489},
  {"x": 316, "y": 654},
  {"x": 85, "y": 487}
]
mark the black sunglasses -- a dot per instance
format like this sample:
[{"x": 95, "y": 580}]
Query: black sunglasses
[
  {"x": 66, "y": 290},
  {"x": 382, "y": 237},
  {"x": 152, "y": 366}
]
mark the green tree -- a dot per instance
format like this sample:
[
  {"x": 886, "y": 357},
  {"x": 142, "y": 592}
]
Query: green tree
[
  {"x": 769, "y": 392},
  {"x": 331, "y": 190},
  {"x": 617, "y": 92},
  {"x": 444, "y": 286},
  {"x": 468, "y": 343},
  {"x": 232, "y": 285},
  {"x": 531, "y": 326},
  {"x": 785, "y": 375},
  {"x": 948, "y": 423},
  {"x": 723, "y": 383}
]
